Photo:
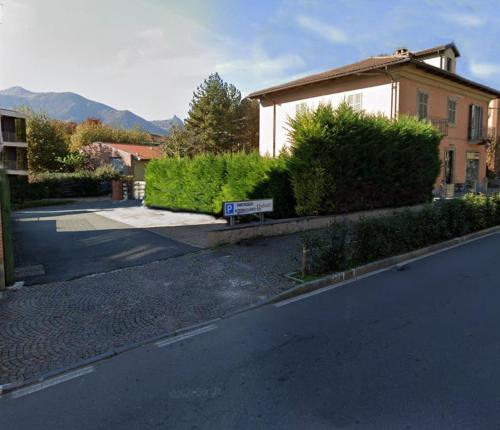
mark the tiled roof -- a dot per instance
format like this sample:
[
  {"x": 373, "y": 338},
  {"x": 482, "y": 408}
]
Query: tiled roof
[
  {"x": 143, "y": 152},
  {"x": 350, "y": 69},
  {"x": 380, "y": 62},
  {"x": 437, "y": 50}
]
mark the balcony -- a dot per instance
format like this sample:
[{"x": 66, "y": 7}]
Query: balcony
[
  {"x": 15, "y": 165},
  {"x": 440, "y": 124},
  {"x": 13, "y": 136},
  {"x": 481, "y": 135}
]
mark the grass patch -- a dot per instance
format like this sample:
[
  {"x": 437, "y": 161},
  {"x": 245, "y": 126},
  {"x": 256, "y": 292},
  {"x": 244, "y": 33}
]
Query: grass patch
[{"x": 40, "y": 203}]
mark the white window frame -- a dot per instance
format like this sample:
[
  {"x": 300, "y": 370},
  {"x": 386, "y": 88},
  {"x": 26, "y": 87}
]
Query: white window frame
[{"x": 355, "y": 101}]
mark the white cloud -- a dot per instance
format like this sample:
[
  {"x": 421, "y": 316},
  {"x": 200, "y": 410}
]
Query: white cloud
[
  {"x": 328, "y": 32},
  {"x": 261, "y": 64},
  {"x": 484, "y": 70},
  {"x": 464, "y": 19}
]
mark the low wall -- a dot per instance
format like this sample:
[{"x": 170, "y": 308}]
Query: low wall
[{"x": 235, "y": 234}]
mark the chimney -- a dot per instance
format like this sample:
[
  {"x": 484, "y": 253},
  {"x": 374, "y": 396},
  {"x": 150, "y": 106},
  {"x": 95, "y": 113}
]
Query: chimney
[{"x": 402, "y": 52}]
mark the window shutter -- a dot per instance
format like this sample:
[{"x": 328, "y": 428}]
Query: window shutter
[{"x": 471, "y": 110}]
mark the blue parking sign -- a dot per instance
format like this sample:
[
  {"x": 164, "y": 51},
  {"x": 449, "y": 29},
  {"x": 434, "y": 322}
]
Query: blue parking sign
[{"x": 229, "y": 209}]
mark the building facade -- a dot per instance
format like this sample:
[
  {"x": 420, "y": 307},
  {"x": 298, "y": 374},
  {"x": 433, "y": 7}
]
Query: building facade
[
  {"x": 13, "y": 145},
  {"x": 130, "y": 160},
  {"x": 422, "y": 84}
]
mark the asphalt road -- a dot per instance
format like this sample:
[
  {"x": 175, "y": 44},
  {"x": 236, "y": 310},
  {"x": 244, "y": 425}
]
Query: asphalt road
[
  {"x": 59, "y": 243},
  {"x": 412, "y": 349}
]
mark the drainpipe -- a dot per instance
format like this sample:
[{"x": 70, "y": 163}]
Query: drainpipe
[
  {"x": 274, "y": 129},
  {"x": 274, "y": 122}
]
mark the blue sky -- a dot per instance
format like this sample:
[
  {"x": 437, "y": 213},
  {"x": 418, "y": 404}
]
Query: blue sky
[{"x": 149, "y": 55}]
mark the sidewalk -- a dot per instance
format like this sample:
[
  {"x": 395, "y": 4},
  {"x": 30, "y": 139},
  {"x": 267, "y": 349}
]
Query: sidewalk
[{"x": 47, "y": 327}]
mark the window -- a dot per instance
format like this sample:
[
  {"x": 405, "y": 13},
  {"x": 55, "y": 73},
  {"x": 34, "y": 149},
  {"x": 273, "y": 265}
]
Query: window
[
  {"x": 423, "y": 100},
  {"x": 449, "y": 64},
  {"x": 475, "y": 122},
  {"x": 452, "y": 111},
  {"x": 355, "y": 101},
  {"x": 449, "y": 164}
]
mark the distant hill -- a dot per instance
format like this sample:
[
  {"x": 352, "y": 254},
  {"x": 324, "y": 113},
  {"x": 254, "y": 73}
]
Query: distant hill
[
  {"x": 167, "y": 124},
  {"x": 73, "y": 107}
]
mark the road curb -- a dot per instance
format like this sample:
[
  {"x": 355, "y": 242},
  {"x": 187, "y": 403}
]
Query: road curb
[
  {"x": 301, "y": 289},
  {"x": 379, "y": 265}
]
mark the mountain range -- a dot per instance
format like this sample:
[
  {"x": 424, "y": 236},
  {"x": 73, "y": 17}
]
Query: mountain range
[{"x": 74, "y": 107}]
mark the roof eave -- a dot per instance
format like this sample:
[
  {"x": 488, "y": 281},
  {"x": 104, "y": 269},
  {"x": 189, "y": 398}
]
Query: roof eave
[
  {"x": 285, "y": 87},
  {"x": 456, "y": 78}
]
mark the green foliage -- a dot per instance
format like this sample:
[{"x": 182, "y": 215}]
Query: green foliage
[
  {"x": 353, "y": 244},
  {"x": 46, "y": 185},
  {"x": 185, "y": 183},
  {"x": 181, "y": 143},
  {"x": 343, "y": 160},
  {"x": 28, "y": 204},
  {"x": 204, "y": 182},
  {"x": 93, "y": 130},
  {"x": 47, "y": 143},
  {"x": 219, "y": 120},
  {"x": 72, "y": 162}
]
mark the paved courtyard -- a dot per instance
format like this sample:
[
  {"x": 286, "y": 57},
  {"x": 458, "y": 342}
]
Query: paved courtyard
[
  {"x": 65, "y": 242},
  {"x": 48, "y": 326}
]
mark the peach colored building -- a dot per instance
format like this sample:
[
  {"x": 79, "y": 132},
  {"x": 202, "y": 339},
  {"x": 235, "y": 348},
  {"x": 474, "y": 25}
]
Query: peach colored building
[
  {"x": 422, "y": 84},
  {"x": 127, "y": 159}
]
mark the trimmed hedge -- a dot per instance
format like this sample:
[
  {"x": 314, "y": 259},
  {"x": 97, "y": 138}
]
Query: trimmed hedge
[
  {"x": 348, "y": 245},
  {"x": 55, "y": 185},
  {"x": 340, "y": 161},
  {"x": 345, "y": 161},
  {"x": 203, "y": 183}
]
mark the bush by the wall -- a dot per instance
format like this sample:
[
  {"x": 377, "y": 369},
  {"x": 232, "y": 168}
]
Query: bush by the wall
[
  {"x": 348, "y": 245},
  {"x": 54, "y": 185},
  {"x": 345, "y": 161},
  {"x": 204, "y": 182},
  {"x": 190, "y": 184}
]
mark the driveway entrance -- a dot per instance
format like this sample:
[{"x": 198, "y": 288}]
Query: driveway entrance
[{"x": 64, "y": 242}]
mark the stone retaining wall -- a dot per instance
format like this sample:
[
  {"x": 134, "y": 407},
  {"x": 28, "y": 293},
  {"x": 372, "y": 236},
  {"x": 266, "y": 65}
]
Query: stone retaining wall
[{"x": 235, "y": 234}]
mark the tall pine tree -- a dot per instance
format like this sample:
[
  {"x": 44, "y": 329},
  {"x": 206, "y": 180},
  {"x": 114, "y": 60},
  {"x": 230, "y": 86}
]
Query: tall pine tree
[{"x": 219, "y": 119}]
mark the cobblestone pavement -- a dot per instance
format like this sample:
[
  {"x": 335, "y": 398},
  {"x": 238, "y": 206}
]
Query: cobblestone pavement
[{"x": 46, "y": 327}]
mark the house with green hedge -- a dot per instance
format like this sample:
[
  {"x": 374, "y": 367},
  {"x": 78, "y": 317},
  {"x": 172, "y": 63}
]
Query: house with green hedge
[{"x": 423, "y": 84}]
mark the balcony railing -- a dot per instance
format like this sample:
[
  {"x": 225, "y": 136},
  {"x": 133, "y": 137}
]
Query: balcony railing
[
  {"x": 14, "y": 165},
  {"x": 441, "y": 124},
  {"x": 12, "y": 136},
  {"x": 481, "y": 134}
]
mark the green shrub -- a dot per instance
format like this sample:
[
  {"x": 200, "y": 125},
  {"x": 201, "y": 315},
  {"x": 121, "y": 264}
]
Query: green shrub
[
  {"x": 203, "y": 183},
  {"x": 54, "y": 184},
  {"x": 348, "y": 245},
  {"x": 344, "y": 161}
]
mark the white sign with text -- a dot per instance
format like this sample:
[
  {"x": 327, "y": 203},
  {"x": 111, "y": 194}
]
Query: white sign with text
[{"x": 248, "y": 207}]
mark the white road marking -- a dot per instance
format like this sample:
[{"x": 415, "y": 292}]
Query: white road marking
[
  {"x": 51, "y": 382},
  {"x": 184, "y": 336},
  {"x": 357, "y": 278}
]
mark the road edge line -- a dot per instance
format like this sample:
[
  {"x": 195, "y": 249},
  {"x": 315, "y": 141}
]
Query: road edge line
[{"x": 343, "y": 278}]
